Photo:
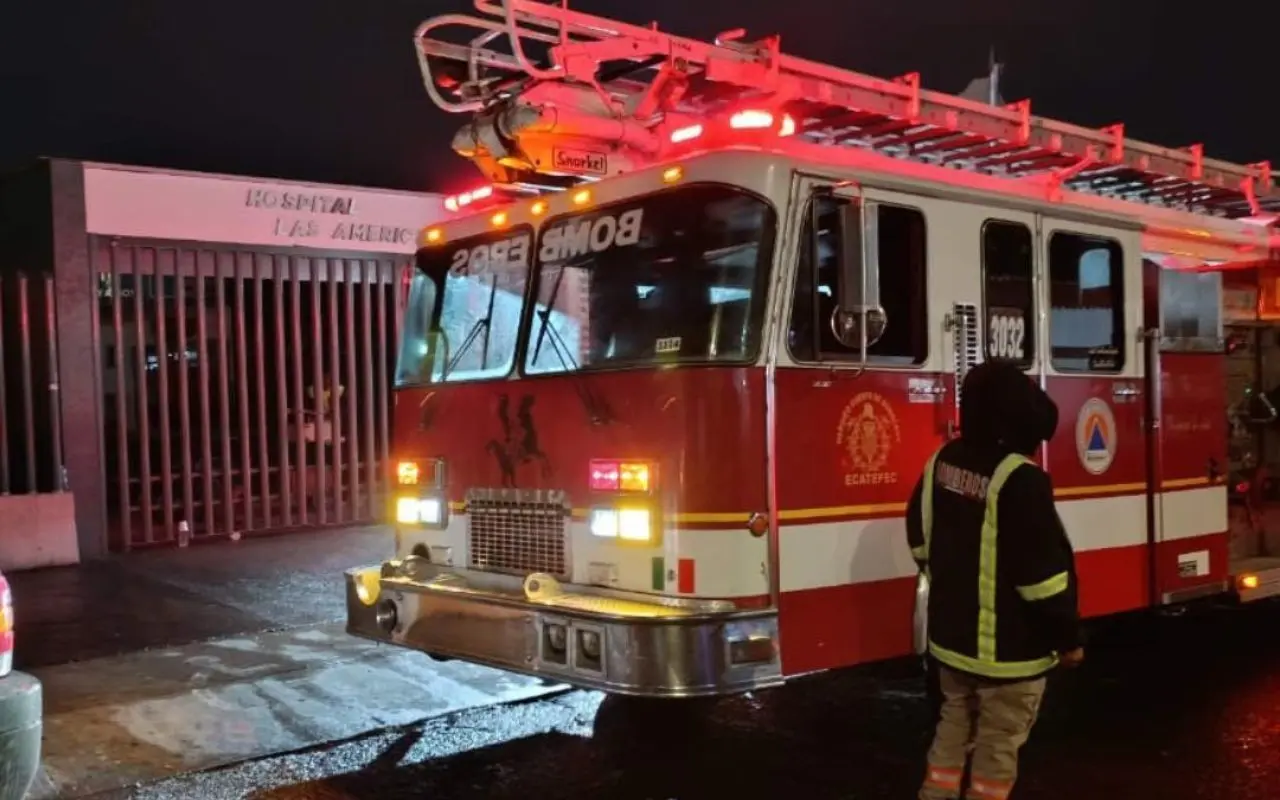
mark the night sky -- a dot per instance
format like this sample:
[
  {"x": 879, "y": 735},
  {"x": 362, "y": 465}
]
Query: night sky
[{"x": 329, "y": 91}]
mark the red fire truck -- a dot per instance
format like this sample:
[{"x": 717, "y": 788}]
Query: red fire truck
[{"x": 666, "y": 381}]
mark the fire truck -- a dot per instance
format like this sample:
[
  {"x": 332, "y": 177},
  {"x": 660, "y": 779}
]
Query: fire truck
[{"x": 666, "y": 380}]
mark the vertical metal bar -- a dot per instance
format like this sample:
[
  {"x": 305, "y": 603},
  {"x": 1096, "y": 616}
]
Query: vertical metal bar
[
  {"x": 122, "y": 405},
  {"x": 319, "y": 383},
  {"x": 282, "y": 391},
  {"x": 184, "y": 384},
  {"x": 225, "y": 474},
  {"x": 260, "y": 382},
  {"x": 55, "y": 404},
  {"x": 5, "y": 486},
  {"x": 299, "y": 397},
  {"x": 28, "y": 400},
  {"x": 334, "y": 277},
  {"x": 208, "y": 503},
  {"x": 353, "y": 268},
  {"x": 368, "y": 284},
  {"x": 387, "y": 284},
  {"x": 242, "y": 394},
  {"x": 143, "y": 398},
  {"x": 166, "y": 427}
]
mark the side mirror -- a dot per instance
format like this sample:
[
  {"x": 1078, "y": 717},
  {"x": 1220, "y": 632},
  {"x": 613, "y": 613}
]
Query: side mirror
[{"x": 858, "y": 320}]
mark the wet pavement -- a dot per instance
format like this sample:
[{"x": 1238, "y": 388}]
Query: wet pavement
[
  {"x": 168, "y": 597},
  {"x": 1173, "y": 707},
  {"x": 171, "y": 661}
]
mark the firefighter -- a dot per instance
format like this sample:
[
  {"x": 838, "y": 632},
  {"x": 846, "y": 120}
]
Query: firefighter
[{"x": 1002, "y": 608}]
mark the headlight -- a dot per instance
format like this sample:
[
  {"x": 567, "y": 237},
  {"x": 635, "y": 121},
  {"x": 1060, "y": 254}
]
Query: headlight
[
  {"x": 631, "y": 524},
  {"x": 419, "y": 511}
]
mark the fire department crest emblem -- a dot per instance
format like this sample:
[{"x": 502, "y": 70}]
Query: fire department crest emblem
[{"x": 867, "y": 435}]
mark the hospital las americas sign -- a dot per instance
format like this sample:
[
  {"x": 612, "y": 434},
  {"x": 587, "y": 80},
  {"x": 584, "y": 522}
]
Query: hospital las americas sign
[{"x": 319, "y": 215}]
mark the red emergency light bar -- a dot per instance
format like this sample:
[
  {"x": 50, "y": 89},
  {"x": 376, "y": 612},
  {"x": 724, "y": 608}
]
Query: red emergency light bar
[
  {"x": 748, "y": 119},
  {"x": 458, "y": 202}
]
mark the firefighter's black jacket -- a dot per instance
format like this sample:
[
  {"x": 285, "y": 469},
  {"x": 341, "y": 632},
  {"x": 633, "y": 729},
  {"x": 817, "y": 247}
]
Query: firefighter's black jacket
[{"x": 1002, "y": 603}]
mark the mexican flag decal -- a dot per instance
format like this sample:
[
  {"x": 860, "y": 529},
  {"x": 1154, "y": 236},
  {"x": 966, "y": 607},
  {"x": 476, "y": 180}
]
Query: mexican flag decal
[{"x": 684, "y": 575}]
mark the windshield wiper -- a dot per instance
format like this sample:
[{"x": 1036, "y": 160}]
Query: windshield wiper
[
  {"x": 597, "y": 410},
  {"x": 485, "y": 325}
]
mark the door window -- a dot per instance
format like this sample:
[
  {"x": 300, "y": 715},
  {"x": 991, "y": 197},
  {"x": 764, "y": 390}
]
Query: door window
[
  {"x": 899, "y": 234},
  {"x": 1086, "y": 303},
  {"x": 1008, "y": 291}
]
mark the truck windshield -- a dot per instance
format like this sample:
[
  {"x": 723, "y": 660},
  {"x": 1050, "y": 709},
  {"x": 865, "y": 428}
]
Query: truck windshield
[
  {"x": 483, "y": 279},
  {"x": 674, "y": 277}
]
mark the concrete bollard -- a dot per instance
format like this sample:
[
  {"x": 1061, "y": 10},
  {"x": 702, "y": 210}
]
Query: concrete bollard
[{"x": 21, "y": 722}]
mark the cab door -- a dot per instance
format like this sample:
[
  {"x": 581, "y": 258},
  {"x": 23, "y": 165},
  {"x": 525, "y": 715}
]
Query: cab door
[
  {"x": 853, "y": 426},
  {"x": 1091, "y": 291}
]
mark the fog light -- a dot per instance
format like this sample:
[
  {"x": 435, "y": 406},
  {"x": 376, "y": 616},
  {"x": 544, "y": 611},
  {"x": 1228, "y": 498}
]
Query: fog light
[
  {"x": 556, "y": 637},
  {"x": 590, "y": 641},
  {"x": 1247, "y": 582},
  {"x": 387, "y": 616}
]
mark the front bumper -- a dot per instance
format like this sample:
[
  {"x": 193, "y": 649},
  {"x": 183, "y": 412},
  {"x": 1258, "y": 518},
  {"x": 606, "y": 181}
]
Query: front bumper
[{"x": 594, "y": 638}]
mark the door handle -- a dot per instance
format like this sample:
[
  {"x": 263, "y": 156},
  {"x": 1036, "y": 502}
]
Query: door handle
[{"x": 1124, "y": 391}]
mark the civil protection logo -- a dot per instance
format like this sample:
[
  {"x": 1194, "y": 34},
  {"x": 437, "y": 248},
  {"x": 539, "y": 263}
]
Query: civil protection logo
[
  {"x": 867, "y": 434},
  {"x": 1096, "y": 436}
]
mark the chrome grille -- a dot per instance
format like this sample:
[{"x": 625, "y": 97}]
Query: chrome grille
[{"x": 518, "y": 531}]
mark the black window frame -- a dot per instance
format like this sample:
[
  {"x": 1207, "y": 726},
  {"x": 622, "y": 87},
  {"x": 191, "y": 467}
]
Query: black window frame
[
  {"x": 1119, "y": 327},
  {"x": 816, "y": 355},
  {"x": 1031, "y": 335}
]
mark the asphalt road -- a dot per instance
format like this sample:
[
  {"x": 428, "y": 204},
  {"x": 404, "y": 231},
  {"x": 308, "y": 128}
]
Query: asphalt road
[{"x": 1166, "y": 707}]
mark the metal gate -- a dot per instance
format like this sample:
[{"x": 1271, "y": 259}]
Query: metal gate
[
  {"x": 30, "y": 420},
  {"x": 243, "y": 391}
]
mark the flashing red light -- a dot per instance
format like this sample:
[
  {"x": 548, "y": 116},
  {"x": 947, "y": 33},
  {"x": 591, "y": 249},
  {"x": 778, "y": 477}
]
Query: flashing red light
[
  {"x": 788, "y": 125},
  {"x": 458, "y": 202},
  {"x": 605, "y": 476},
  {"x": 751, "y": 119},
  {"x": 621, "y": 476}
]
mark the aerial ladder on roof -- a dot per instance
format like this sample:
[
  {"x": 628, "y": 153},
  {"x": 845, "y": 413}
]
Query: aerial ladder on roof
[{"x": 535, "y": 68}]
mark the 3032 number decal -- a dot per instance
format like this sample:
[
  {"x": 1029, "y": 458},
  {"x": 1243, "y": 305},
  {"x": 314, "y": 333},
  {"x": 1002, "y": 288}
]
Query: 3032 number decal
[{"x": 1007, "y": 334}]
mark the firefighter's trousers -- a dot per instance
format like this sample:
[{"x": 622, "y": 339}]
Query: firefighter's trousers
[{"x": 990, "y": 720}]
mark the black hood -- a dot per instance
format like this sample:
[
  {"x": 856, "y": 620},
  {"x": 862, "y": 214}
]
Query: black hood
[{"x": 1001, "y": 407}]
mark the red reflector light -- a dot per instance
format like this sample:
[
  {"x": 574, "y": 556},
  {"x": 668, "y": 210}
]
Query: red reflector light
[
  {"x": 751, "y": 119},
  {"x": 605, "y": 476},
  {"x": 1242, "y": 487},
  {"x": 458, "y": 202}
]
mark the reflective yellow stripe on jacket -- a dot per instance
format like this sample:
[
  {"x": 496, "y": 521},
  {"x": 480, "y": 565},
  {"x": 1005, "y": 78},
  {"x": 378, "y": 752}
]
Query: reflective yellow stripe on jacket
[
  {"x": 986, "y": 662},
  {"x": 921, "y": 553}
]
